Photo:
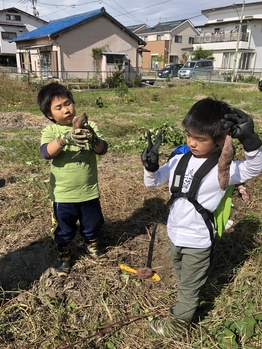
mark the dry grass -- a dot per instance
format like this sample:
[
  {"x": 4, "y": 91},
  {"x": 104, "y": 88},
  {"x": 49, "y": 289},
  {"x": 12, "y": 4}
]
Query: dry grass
[{"x": 98, "y": 306}]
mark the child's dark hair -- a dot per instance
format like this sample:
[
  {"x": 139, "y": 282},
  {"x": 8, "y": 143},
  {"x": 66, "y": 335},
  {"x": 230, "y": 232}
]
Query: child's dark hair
[
  {"x": 48, "y": 92},
  {"x": 205, "y": 117}
]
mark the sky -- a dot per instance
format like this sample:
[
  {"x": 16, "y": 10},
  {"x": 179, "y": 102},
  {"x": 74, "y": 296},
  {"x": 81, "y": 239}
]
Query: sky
[{"x": 127, "y": 12}]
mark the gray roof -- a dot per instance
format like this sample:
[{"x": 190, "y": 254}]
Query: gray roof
[
  {"x": 60, "y": 25},
  {"x": 134, "y": 28},
  {"x": 233, "y": 6},
  {"x": 161, "y": 27},
  {"x": 12, "y": 10}
]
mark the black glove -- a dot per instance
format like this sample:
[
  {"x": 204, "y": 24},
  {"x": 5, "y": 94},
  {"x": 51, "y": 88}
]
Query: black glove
[
  {"x": 241, "y": 126},
  {"x": 149, "y": 156}
]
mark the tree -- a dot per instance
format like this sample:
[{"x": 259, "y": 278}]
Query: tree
[
  {"x": 159, "y": 58},
  {"x": 199, "y": 53},
  {"x": 184, "y": 58}
]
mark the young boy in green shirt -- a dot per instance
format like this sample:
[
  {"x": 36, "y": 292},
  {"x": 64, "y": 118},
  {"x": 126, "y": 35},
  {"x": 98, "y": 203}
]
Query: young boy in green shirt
[{"x": 74, "y": 188}]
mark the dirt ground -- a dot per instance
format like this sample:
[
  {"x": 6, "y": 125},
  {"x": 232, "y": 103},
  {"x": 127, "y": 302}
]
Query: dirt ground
[
  {"x": 27, "y": 252},
  {"x": 131, "y": 212}
]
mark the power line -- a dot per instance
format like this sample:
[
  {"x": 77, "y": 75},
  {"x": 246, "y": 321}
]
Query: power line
[
  {"x": 73, "y": 5},
  {"x": 127, "y": 14}
]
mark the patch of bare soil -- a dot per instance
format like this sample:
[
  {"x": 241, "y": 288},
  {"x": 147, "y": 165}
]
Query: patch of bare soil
[
  {"x": 22, "y": 120},
  {"x": 96, "y": 294}
]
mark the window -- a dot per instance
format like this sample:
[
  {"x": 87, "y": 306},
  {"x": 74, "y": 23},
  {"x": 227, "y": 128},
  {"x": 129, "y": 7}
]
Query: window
[
  {"x": 13, "y": 18},
  {"x": 8, "y": 35},
  {"x": 154, "y": 62},
  {"x": 178, "y": 38},
  {"x": 228, "y": 59},
  {"x": 144, "y": 37},
  {"x": 173, "y": 59},
  {"x": 159, "y": 37},
  {"x": 190, "y": 40},
  {"x": 114, "y": 59},
  {"x": 245, "y": 60}
]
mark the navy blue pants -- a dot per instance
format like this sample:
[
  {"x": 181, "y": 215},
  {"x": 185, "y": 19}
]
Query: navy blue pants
[{"x": 66, "y": 216}]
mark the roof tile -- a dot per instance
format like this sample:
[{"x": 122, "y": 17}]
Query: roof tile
[{"x": 58, "y": 25}]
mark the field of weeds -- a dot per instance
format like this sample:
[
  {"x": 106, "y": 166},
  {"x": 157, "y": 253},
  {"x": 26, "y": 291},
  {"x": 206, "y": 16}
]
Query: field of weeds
[{"x": 99, "y": 306}]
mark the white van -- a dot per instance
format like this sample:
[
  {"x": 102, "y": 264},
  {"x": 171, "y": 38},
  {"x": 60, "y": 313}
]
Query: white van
[{"x": 190, "y": 67}]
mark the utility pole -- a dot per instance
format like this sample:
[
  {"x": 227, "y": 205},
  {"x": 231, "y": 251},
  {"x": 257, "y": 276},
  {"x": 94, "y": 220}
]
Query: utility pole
[
  {"x": 237, "y": 45},
  {"x": 35, "y": 12}
]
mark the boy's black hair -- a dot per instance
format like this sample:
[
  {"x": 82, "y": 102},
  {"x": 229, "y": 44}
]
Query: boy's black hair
[
  {"x": 46, "y": 95},
  {"x": 205, "y": 117}
]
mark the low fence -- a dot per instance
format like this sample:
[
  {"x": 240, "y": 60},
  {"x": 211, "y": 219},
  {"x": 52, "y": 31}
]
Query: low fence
[
  {"x": 94, "y": 77},
  {"x": 225, "y": 75}
]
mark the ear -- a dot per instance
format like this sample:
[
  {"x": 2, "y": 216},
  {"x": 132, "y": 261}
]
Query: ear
[
  {"x": 50, "y": 117},
  {"x": 221, "y": 140}
]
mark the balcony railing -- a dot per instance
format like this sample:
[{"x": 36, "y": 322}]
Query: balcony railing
[{"x": 220, "y": 37}]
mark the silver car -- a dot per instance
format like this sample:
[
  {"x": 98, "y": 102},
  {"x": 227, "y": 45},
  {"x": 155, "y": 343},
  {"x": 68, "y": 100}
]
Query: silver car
[{"x": 192, "y": 67}]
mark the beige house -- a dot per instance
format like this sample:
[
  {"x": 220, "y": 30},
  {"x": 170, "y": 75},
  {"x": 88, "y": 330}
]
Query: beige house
[
  {"x": 85, "y": 46},
  {"x": 167, "y": 42}
]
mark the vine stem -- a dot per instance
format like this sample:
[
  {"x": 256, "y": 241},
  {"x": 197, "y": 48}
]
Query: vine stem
[{"x": 123, "y": 322}]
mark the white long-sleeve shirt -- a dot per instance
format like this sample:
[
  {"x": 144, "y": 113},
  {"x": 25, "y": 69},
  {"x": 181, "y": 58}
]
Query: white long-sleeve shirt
[{"x": 185, "y": 226}]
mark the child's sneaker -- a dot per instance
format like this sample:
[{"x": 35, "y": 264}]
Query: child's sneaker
[{"x": 169, "y": 327}]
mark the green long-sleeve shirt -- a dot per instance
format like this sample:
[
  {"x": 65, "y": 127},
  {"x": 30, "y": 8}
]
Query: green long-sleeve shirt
[{"x": 72, "y": 179}]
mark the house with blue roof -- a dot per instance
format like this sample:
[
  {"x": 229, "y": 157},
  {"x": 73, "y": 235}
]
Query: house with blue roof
[{"x": 84, "y": 46}]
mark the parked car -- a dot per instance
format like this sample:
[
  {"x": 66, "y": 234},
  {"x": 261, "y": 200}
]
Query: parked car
[
  {"x": 260, "y": 85},
  {"x": 170, "y": 71},
  {"x": 191, "y": 67}
]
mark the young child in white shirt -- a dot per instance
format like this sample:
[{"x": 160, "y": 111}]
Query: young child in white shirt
[{"x": 208, "y": 125}]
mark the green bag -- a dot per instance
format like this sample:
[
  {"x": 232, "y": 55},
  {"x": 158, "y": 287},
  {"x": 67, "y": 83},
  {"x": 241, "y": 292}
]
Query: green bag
[{"x": 222, "y": 213}]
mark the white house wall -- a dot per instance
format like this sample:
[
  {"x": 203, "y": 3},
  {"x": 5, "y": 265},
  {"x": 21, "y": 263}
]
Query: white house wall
[
  {"x": 256, "y": 40},
  {"x": 27, "y": 24},
  {"x": 227, "y": 20},
  {"x": 233, "y": 13},
  {"x": 6, "y": 46}
]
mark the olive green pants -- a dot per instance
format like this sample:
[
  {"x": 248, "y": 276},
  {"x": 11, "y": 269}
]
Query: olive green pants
[{"x": 191, "y": 267}]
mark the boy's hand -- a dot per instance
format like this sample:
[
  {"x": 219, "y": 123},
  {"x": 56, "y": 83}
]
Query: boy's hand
[
  {"x": 80, "y": 121},
  {"x": 79, "y": 137},
  {"x": 241, "y": 126},
  {"x": 76, "y": 137},
  {"x": 91, "y": 136},
  {"x": 149, "y": 156}
]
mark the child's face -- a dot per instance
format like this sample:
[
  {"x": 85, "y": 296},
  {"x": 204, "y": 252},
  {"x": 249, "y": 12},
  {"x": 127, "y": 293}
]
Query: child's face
[
  {"x": 62, "y": 110},
  {"x": 201, "y": 145}
]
